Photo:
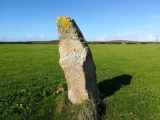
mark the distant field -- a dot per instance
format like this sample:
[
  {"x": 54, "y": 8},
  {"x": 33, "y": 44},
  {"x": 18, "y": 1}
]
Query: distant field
[{"x": 127, "y": 75}]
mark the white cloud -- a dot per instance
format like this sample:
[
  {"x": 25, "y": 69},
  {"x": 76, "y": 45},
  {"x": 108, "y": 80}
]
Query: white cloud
[
  {"x": 118, "y": 36},
  {"x": 102, "y": 38},
  {"x": 152, "y": 37},
  {"x": 31, "y": 36},
  {"x": 2, "y": 37},
  {"x": 131, "y": 36},
  {"x": 35, "y": 37},
  {"x": 125, "y": 36}
]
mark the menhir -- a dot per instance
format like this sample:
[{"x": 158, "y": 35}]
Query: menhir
[{"x": 76, "y": 62}]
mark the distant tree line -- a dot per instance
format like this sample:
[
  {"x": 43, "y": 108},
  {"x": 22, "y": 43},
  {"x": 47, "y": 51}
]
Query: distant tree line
[
  {"x": 89, "y": 42},
  {"x": 32, "y": 42}
]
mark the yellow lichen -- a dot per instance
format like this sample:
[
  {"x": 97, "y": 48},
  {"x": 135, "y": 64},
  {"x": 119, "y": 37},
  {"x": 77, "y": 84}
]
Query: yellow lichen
[{"x": 63, "y": 23}]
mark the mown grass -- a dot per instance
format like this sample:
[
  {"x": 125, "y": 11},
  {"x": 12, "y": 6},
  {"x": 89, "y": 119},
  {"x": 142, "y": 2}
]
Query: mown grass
[{"x": 127, "y": 75}]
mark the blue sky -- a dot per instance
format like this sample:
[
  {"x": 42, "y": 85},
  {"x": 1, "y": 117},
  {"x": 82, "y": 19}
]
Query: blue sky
[{"x": 29, "y": 20}]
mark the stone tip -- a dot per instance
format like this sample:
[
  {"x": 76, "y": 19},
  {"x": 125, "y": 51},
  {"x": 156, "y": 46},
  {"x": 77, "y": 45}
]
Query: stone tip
[
  {"x": 63, "y": 23},
  {"x": 68, "y": 29}
]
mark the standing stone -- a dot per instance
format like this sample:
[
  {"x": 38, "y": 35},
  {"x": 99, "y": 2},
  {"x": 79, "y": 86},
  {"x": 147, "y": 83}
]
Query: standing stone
[{"x": 76, "y": 62}]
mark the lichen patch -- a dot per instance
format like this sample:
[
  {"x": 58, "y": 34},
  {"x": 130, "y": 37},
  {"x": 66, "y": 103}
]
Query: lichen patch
[{"x": 64, "y": 24}]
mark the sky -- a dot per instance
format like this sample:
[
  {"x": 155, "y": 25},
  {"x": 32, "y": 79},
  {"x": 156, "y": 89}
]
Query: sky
[{"x": 99, "y": 20}]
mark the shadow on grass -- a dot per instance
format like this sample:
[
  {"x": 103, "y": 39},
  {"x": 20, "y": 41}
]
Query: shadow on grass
[{"x": 109, "y": 86}]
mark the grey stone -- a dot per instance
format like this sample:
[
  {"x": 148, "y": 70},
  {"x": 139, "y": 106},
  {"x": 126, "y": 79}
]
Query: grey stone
[{"x": 76, "y": 62}]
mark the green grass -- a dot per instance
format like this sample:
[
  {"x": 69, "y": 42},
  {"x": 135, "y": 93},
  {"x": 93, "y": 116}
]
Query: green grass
[{"x": 128, "y": 77}]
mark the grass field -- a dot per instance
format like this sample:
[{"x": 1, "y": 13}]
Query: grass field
[{"x": 127, "y": 75}]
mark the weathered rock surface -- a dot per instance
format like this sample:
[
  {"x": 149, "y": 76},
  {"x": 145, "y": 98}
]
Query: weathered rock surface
[{"x": 76, "y": 62}]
